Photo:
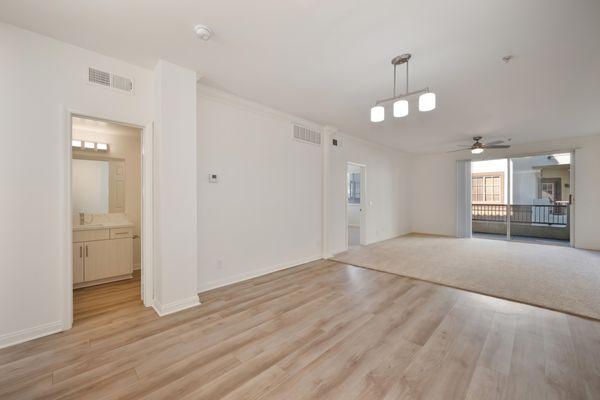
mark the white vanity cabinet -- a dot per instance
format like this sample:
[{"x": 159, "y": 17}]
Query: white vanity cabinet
[{"x": 102, "y": 255}]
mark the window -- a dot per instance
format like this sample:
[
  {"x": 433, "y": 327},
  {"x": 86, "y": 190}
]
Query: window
[
  {"x": 548, "y": 191},
  {"x": 487, "y": 188},
  {"x": 354, "y": 188}
]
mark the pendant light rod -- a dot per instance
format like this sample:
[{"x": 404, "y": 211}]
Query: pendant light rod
[
  {"x": 402, "y": 96},
  {"x": 399, "y": 60}
]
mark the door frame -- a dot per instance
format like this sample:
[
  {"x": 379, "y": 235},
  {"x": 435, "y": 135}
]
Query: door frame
[
  {"x": 363, "y": 202},
  {"x": 572, "y": 151},
  {"x": 147, "y": 209},
  {"x": 572, "y": 187}
]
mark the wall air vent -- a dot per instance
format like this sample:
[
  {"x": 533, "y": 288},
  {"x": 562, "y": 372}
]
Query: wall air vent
[
  {"x": 98, "y": 77},
  {"x": 106, "y": 79},
  {"x": 122, "y": 83},
  {"x": 307, "y": 135}
]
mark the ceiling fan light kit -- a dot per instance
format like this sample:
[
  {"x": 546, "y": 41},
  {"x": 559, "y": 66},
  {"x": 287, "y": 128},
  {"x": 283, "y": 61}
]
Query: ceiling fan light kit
[{"x": 427, "y": 100}]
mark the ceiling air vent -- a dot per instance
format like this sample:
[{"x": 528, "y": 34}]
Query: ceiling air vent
[
  {"x": 307, "y": 135},
  {"x": 106, "y": 79}
]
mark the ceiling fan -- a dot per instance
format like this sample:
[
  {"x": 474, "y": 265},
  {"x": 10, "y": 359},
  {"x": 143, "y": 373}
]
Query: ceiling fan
[{"x": 478, "y": 147}]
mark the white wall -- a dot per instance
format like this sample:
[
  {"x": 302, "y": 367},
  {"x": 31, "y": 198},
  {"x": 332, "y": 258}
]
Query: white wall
[
  {"x": 265, "y": 212},
  {"x": 39, "y": 79},
  {"x": 175, "y": 201},
  {"x": 386, "y": 189},
  {"x": 433, "y": 208}
]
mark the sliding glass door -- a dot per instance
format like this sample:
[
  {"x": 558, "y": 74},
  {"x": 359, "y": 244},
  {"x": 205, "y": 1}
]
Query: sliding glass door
[{"x": 523, "y": 198}]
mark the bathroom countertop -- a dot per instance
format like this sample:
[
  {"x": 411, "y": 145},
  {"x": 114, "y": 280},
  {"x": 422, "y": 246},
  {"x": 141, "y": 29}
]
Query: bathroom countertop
[{"x": 104, "y": 225}]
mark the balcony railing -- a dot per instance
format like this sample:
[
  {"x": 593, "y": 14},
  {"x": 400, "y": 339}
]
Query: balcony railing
[{"x": 551, "y": 214}]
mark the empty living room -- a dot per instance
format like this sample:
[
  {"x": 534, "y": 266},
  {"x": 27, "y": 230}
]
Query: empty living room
[{"x": 277, "y": 200}]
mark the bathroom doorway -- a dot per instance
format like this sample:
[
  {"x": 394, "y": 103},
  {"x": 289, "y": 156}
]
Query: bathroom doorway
[
  {"x": 355, "y": 204},
  {"x": 109, "y": 216}
]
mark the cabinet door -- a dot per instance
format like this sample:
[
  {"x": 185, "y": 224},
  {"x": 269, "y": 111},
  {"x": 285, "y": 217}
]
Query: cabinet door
[
  {"x": 121, "y": 256},
  {"x": 97, "y": 260},
  {"x": 78, "y": 262}
]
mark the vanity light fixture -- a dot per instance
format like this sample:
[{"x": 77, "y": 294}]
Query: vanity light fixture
[
  {"x": 427, "y": 101},
  {"x": 101, "y": 146},
  {"x": 78, "y": 144}
]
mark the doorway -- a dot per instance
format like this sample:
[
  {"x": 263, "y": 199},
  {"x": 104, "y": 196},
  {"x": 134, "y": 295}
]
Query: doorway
[
  {"x": 525, "y": 198},
  {"x": 110, "y": 218},
  {"x": 355, "y": 205}
]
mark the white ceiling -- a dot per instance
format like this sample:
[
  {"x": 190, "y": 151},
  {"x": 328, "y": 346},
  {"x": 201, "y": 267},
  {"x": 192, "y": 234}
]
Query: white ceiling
[{"x": 328, "y": 61}]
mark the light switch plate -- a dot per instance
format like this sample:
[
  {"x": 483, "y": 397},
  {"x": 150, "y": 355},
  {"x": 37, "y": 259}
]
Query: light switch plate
[{"x": 213, "y": 178}]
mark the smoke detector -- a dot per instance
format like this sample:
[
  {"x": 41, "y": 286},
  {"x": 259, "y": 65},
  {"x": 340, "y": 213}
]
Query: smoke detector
[{"x": 203, "y": 32}]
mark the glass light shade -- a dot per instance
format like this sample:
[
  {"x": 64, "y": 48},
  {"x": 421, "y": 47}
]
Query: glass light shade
[
  {"x": 101, "y": 146},
  {"x": 427, "y": 102},
  {"x": 377, "y": 114},
  {"x": 89, "y": 145},
  {"x": 477, "y": 150},
  {"x": 401, "y": 108},
  {"x": 76, "y": 143}
]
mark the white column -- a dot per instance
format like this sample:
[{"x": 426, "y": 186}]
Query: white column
[{"x": 176, "y": 226}]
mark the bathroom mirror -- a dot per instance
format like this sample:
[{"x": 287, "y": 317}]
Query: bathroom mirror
[{"x": 90, "y": 186}]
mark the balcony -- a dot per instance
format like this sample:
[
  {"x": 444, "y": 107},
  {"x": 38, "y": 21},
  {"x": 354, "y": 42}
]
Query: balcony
[{"x": 537, "y": 221}]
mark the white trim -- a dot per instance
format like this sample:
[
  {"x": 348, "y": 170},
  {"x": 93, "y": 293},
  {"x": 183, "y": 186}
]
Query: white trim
[
  {"x": 573, "y": 206},
  {"x": 175, "y": 306},
  {"x": 254, "y": 274},
  {"x": 12, "y": 338},
  {"x": 509, "y": 195}
]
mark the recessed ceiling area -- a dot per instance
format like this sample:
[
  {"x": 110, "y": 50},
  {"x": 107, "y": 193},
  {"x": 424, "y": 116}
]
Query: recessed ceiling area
[{"x": 329, "y": 61}]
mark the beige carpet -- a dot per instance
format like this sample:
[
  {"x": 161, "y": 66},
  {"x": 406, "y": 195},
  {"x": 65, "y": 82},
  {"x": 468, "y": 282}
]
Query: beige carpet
[{"x": 554, "y": 277}]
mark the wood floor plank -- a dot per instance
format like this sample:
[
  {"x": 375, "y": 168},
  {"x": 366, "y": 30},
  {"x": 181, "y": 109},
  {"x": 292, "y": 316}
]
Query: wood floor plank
[{"x": 323, "y": 330}]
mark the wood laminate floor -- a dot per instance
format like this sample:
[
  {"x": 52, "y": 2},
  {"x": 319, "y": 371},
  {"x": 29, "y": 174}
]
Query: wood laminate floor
[{"x": 323, "y": 330}]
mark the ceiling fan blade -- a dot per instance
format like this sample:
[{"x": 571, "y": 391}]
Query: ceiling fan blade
[
  {"x": 463, "y": 149},
  {"x": 495, "y": 142},
  {"x": 496, "y": 146}
]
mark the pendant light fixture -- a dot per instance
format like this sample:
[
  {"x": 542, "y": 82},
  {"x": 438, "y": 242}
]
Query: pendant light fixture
[{"x": 427, "y": 101}]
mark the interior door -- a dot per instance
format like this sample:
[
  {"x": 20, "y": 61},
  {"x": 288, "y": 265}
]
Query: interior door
[{"x": 78, "y": 276}]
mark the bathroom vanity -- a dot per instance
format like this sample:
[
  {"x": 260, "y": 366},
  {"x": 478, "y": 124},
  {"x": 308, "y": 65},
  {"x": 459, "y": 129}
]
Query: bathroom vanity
[{"x": 102, "y": 253}]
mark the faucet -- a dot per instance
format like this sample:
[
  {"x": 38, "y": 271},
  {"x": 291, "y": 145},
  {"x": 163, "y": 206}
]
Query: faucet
[{"x": 81, "y": 218}]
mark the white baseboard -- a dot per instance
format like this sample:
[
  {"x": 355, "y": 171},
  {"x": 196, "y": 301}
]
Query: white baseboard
[
  {"x": 254, "y": 274},
  {"x": 174, "y": 306},
  {"x": 10, "y": 339}
]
